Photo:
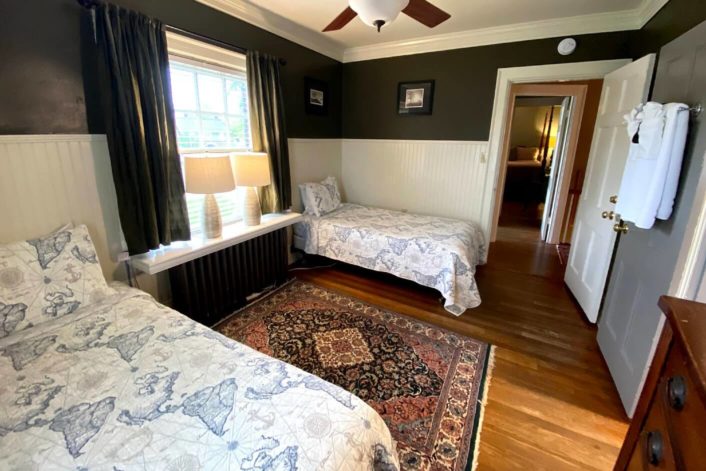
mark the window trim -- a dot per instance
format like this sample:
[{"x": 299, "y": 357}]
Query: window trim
[{"x": 200, "y": 51}]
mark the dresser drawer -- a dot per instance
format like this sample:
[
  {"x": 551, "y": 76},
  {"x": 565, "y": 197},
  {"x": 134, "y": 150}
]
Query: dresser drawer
[
  {"x": 685, "y": 412},
  {"x": 653, "y": 450},
  {"x": 668, "y": 430}
]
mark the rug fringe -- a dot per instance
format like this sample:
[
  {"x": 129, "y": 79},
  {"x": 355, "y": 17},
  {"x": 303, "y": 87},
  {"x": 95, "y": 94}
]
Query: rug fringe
[{"x": 483, "y": 402}]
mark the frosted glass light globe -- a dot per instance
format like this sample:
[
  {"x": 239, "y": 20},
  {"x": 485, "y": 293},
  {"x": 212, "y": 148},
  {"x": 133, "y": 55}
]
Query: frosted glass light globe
[{"x": 375, "y": 13}]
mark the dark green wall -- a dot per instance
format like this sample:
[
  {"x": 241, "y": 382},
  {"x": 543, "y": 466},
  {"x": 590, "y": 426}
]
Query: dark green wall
[
  {"x": 41, "y": 86},
  {"x": 465, "y": 86},
  {"x": 465, "y": 78},
  {"x": 674, "y": 19},
  {"x": 41, "y": 72}
]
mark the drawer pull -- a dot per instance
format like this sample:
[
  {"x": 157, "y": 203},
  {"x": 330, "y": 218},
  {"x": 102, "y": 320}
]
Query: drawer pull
[
  {"x": 676, "y": 391},
  {"x": 655, "y": 447}
]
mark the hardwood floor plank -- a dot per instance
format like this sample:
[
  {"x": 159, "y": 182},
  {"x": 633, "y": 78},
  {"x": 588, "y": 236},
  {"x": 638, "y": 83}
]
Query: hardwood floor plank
[{"x": 551, "y": 403}]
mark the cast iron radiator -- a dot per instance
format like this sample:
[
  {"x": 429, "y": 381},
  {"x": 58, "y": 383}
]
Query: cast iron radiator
[{"x": 211, "y": 287}]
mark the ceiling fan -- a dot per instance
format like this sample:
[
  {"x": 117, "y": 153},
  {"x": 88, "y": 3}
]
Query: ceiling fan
[{"x": 377, "y": 13}]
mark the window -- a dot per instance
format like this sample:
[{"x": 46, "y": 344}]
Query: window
[
  {"x": 210, "y": 107},
  {"x": 211, "y": 112}
]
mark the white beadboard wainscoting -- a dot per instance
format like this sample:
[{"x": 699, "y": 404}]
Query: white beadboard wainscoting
[
  {"x": 47, "y": 181},
  {"x": 312, "y": 160},
  {"x": 441, "y": 178}
]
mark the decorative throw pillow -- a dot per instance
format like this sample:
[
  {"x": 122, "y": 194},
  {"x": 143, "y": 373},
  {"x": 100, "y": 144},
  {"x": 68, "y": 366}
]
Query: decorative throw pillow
[
  {"x": 331, "y": 185},
  {"x": 46, "y": 278},
  {"x": 320, "y": 198}
]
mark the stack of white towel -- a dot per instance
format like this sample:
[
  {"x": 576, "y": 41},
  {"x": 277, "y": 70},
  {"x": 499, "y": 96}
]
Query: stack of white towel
[{"x": 658, "y": 137}]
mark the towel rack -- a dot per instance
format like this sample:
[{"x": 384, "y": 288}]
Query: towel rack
[{"x": 695, "y": 110}]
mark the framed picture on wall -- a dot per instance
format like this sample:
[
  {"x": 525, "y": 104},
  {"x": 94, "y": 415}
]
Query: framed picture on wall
[
  {"x": 414, "y": 98},
  {"x": 316, "y": 96}
]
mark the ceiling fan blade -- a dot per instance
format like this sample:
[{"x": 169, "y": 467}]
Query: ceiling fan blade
[
  {"x": 426, "y": 13},
  {"x": 341, "y": 20}
]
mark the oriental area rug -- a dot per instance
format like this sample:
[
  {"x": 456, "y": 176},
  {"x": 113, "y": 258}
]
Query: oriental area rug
[{"x": 427, "y": 383}]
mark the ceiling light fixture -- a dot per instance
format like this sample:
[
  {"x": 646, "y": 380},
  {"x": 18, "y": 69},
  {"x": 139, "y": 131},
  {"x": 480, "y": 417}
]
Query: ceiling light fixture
[{"x": 377, "y": 13}]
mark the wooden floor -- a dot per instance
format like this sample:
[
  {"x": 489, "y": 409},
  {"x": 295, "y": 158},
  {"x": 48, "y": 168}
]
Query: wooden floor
[{"x": 551, "y": 403}]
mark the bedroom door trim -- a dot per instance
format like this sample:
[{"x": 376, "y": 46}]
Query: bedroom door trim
[
  {"x": 566, "y": 166},
  {"x": 516, "y": 75}
]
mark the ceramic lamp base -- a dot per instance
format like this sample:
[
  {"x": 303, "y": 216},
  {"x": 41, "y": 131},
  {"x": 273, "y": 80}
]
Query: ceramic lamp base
[
  {"x": 212, "y": 223},
  {"x": 251, "y": 208}
]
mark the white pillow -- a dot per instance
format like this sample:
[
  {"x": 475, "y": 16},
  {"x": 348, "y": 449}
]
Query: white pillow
[
  {"x": 46, "y": 278},
  {"x": 320, "y": 198}
]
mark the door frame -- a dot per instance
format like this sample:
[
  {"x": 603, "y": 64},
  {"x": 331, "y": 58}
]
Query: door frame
[
  {"x": 686, "y": 281},
  {"x": 506, "y": 77},
  {"x": 566, "y": 165}
]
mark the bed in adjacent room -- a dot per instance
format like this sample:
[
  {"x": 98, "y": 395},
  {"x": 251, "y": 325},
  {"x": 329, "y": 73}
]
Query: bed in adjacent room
[
  {"x": 436, "y": 252},
  {"x": 104, "y": 377}
]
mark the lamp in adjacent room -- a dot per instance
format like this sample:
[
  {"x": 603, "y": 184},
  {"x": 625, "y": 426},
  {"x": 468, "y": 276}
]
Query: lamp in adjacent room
[
  {"x": 252, "y": 170},
  {"x": 551, "y": 152},
  {"x": 206, "y": 175}
]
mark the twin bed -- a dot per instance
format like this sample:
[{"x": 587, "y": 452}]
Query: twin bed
[
  {"x": 436, "y": 252},
  {"x": 105, "y": 378}
]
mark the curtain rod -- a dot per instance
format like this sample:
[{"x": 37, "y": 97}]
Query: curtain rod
[{"x": 187, "y": 33}]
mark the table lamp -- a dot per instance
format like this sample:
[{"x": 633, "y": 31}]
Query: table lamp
[
  {"x": 252, "y": 169},
  {"x": 206, "y": 175}
]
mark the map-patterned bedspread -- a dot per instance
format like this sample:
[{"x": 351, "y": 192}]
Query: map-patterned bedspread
[
  {"x": 436, "y": 252},
  {"x": 130, "y": 384}
]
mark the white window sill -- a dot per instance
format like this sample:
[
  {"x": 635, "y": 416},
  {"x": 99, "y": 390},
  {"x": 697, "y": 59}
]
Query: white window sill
[{"x": 181, "y": 252}]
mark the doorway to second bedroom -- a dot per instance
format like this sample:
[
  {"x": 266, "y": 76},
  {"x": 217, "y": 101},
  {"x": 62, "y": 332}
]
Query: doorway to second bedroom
[{"x": 547, "y": 143}]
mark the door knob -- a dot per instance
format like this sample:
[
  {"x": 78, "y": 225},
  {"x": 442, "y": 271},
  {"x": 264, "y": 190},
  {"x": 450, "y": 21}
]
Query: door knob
[
  {"x": 621, "y": 227},
  {"x": 608, "y": 215},
  {"x": 613, "y": 199}
]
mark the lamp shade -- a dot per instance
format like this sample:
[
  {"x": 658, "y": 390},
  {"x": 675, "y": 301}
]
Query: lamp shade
[
  {"x": 252, "y": 169},
  {"x": 206, "y": 175}
]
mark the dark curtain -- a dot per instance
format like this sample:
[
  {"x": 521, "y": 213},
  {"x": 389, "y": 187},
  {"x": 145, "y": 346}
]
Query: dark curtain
[
  {"x": 269, "y": 132},
  {"x": 136, "y": 91}
]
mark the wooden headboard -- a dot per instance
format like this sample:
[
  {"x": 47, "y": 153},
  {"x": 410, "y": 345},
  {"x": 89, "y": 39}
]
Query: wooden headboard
[{"x": 47, "y": 181}]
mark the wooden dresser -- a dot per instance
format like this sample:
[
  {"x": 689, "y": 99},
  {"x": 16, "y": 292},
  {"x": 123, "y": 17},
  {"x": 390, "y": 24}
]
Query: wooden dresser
[{"x": 668, "y": 430}]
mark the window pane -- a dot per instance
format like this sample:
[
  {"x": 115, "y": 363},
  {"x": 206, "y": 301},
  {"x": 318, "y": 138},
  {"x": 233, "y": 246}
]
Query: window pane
[
  {"x": 211, "y": 107},
  {"x": 211, "y": 96},
  {"x": 237, "y": 97},
  {"x": 230, "y": 204},
  {"x": 188, "y": 129},
  {"x": 237, "y": 131},
  {"x": 183, "y": 89},
  {"x": 214, "y": 131}
]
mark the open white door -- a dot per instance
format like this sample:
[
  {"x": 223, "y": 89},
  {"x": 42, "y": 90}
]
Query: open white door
[
  {"x": 551, "y": 201},
  {"x": 593, "y": 238}
]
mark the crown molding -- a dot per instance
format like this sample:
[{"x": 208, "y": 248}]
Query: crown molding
[
  {"x": 278, "y": 25},
  {"x": 648, "y": 9},
  {"x": 575, "y": 25},
  {"x": 319, "y": 42}
]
